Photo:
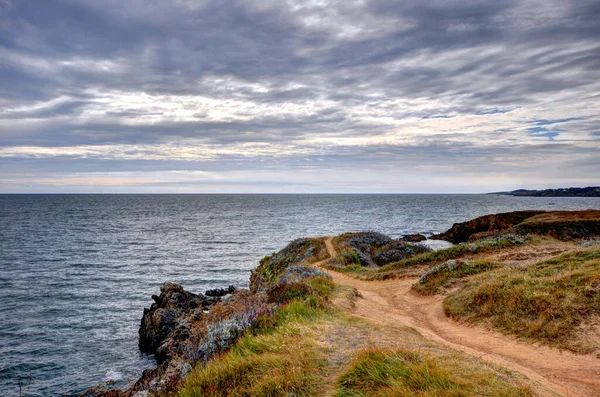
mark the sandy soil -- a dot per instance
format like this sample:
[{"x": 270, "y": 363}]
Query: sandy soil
[{"x": 394, "y": 303}]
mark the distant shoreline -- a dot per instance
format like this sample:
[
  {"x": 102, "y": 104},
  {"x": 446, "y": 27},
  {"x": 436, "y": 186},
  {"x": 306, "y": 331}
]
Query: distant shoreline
[{"x": 590, "y": 191}]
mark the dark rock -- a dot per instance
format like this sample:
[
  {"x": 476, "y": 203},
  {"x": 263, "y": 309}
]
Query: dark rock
[
  {"x": 161, "y": 319},
  {"x": 220, "y": 291},
  {"x": 413, "y": 238}
]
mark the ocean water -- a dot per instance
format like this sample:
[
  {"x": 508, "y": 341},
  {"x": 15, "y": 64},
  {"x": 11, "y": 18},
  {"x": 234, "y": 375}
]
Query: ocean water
[{"x": 76, "y": 271}]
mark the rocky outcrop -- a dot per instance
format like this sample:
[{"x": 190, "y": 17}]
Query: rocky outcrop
[
  {"x": 164, "y": 317},
  {"x": 375, "y": 249},
  {"x": 460, "y": 232},
  {"x": 563, "y": 225},
  {"x": 413, "y": 238},
  {"x": 220, "y": 291}
]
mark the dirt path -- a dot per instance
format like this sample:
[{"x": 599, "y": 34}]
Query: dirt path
[{"x": 393, "y": 302}]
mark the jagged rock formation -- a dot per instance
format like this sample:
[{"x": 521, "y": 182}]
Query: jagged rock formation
[{"x": 164, "y": 316}]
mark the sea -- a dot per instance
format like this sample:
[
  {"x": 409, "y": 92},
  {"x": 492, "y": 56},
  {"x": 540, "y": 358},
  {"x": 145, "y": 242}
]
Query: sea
[{"x": 76, "y": 271}]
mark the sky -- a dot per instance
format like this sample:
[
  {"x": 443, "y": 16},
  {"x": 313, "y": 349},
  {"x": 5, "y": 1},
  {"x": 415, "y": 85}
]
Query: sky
[{"x": 281, "y": 96}]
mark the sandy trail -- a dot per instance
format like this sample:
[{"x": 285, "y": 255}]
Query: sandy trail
[{"x": 393, "y": 302}]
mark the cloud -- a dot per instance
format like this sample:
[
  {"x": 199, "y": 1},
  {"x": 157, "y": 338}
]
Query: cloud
[{"x": 285, "y": 86}]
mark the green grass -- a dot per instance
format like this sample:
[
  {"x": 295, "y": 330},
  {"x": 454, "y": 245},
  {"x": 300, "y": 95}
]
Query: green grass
[
  {"x": 404, "y": 373},
  {"x": 545, "y": 302},
  {"x": 276, "y": 359},
  {"x": 441, "y": 276},
  {"x": 346, "y": 257},
  {"x": 283, "y": 363}
]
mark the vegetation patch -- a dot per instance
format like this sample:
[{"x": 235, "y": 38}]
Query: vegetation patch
[
  {"x": 457, "y": 251},
  {"x": 384, "y": 372},
  {"x": 371, "y": 249},
  {"x": 440, "y": 276},
  {"x": 545, "y": 302},
  {"x": 303, "y": 251}
]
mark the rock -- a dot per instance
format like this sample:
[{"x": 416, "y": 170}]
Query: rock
[
  {"x": 220, "y": 291},
  {"x": 162, "y": 318},
  {"x": 413, "y": 238}
]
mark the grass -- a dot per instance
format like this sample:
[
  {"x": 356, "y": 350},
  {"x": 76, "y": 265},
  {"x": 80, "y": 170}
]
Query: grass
[
  {"x": 441, "y": 276},
  {"x": 544, "y": 302},
  {"x": 404, "y": 373},
  {"x": 283, "y": 363},
  {"x": 299, "y": 353},
  {"x": 277, "y": 358},
  {"x": 346, "y": 257}
]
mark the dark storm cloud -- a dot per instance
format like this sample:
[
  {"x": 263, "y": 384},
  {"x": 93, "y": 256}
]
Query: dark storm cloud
[{"x": 82, "y": 72}]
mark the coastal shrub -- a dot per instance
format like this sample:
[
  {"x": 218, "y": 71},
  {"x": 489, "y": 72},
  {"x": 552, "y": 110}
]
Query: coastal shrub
[
  {"x": 545, "y": 302},
  {"x": 372, "y": 249},
  {"x": 404, "y": 373},
  {"x": 347, "y": 257},
  {"x": 439, "y": 276},
  {"x": 283, "y": 293}
]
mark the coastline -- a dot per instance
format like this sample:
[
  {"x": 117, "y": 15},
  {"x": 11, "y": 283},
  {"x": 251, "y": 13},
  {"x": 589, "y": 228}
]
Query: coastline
[{"x": 287, "y": 275}]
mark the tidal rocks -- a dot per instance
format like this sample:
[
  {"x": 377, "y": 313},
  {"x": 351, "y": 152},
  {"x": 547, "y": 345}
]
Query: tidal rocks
[
  {"x": 413, "y": 238},
  {"x": 165, "y": 314}
]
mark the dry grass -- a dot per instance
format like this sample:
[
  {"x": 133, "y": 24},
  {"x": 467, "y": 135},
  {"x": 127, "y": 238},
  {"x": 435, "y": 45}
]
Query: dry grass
[
  {"x": 440, "y": 277},
  {"x": 546, "y": 302},
  {"x": 320, "y": 351},
  {"x": 404, "y": 373}
]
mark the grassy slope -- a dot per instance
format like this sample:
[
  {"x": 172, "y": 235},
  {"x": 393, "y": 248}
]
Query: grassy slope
[
  {"x": 314, "y": 350},
  {"x": 440, "y": 277},
  {"x": 407, "y": 373},
  {"x": 545, "y": 302}
]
